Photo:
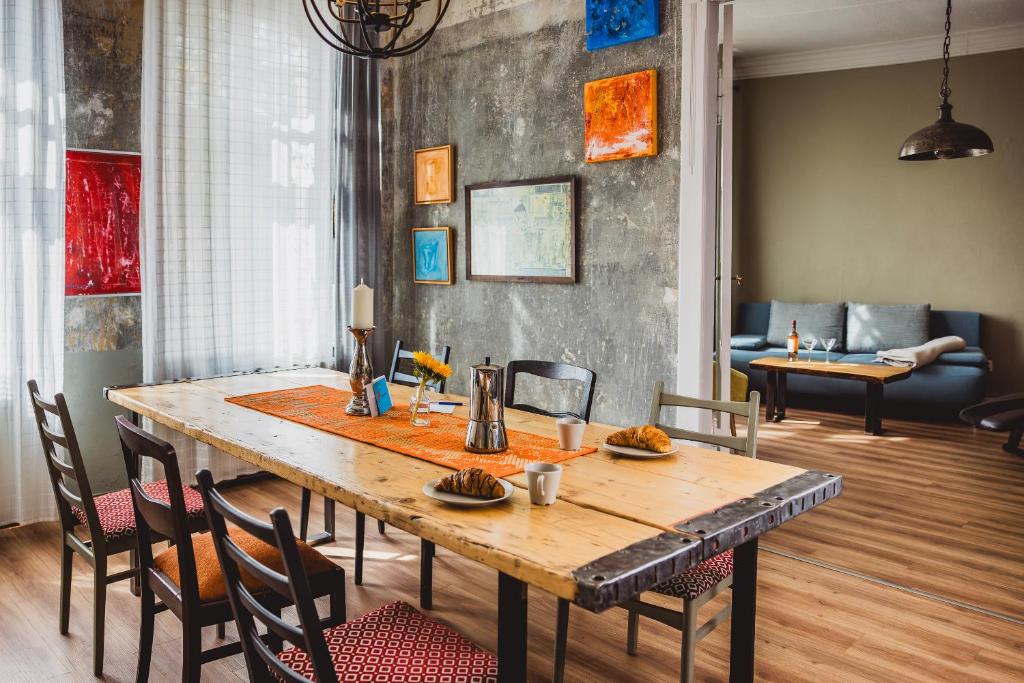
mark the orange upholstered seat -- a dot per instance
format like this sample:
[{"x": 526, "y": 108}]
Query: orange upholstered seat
[{"x": 210, "y": 579}]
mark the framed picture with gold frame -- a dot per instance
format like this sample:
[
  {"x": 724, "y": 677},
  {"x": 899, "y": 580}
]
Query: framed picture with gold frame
[
  {"x": 434, "y": 175},
  {"x": 432, "y": 260}
]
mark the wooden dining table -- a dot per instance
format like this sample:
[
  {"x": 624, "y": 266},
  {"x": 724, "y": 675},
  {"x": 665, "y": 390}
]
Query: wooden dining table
[{"x": 620, "y": 526}]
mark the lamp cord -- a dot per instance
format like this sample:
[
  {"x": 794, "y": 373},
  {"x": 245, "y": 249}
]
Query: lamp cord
[{"x": 945, "y": 91}]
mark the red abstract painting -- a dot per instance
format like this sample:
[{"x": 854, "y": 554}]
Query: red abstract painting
[{"x": 101, "y": 253}]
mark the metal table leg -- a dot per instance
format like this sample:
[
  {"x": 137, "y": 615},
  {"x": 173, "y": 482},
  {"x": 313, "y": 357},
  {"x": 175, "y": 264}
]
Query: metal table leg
[
  {"x": 769, "y": 403},
  {"x": 512, "y": 594},
  {"x": 744, "y": 613},
  {"x": 780, "y": 396}
]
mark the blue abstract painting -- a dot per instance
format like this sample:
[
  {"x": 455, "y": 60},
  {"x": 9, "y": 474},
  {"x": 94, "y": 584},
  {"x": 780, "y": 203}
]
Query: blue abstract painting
[
  {"x": 431, "y": 255},
  {"x": 614, "y": 22}
]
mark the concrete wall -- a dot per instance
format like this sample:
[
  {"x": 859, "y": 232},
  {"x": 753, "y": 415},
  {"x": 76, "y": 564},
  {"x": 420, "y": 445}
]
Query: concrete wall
[
  {"x": 825, "y": 211},
  {"x": 103, "y": 334},
  {"x": 502, "y": 81}
]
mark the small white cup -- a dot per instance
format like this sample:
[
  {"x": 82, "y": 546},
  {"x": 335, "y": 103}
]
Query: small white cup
[
  {"x": 542, "y": 479},
  {"x": 570, "y": 433}
]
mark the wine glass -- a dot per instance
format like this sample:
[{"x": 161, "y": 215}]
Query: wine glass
[
  {"x": 809, "y": 344},
  {"x": 828, "y": 344}
]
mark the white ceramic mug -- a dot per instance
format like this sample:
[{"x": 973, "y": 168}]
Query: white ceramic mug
[
  {"x": 570, "y": 433},
  {"x": 542, "y": 479}
]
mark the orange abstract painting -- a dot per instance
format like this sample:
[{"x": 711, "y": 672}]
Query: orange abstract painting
[
  {"x": 621, "y": 117},
  {"x": 434, "y": 178}
]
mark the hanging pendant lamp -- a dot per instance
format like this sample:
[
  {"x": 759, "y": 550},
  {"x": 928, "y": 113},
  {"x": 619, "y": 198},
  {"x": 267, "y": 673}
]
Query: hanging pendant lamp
[
  {"x": 946, "y": 138},
  {"x": 373, "y": 29}
]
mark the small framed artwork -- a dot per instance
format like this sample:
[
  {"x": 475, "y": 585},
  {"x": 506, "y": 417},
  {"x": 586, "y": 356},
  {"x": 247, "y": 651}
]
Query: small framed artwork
[
  {"x": 620, "y": 117},
  {"x": 434, "y": 175},
  {"x": 522, "y": 231},
  {"x": 432, "y": 256},
  {"x": 614, "y": 22}
]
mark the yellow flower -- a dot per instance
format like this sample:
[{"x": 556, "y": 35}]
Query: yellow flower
[{"x": 425, "y": 365}]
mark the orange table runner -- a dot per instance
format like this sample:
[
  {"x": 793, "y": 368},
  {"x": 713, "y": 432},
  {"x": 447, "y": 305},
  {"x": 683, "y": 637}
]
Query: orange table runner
[{"x": 441, "y": 442}]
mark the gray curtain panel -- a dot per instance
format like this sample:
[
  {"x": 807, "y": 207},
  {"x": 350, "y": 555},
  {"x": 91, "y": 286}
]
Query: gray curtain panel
[
  {"x": 358, "y": 203},
  {"x": 818, "y": 320}
]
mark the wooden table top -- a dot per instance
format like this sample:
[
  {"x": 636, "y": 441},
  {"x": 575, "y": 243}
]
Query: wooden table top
[
  {"x": 866, "y": 372},
  {"x": 620, "y": 525}
]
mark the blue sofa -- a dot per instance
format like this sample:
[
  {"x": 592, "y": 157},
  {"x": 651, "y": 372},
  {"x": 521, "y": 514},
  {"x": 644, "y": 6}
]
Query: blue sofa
[{"x": 952, "y": 382}]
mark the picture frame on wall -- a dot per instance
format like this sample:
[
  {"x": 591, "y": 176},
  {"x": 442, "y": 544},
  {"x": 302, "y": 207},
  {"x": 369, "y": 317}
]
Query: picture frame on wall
[
  {"x": 434, "y": 175},
  {"x": 522, "y": 230},
  {"x": 432, "y": 258}
]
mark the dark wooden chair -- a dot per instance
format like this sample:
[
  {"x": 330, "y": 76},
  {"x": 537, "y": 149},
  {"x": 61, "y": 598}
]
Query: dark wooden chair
[
  {"x": 562, "y": 372},
  {"x": 698, "y": 585},
  {"x": 401, "y": 358},
  {"x": 95, "y": 527},
  {"x": 556, "y": 371},
  {"x": 366, "y": 648},
  {"x": 186, "y": 577}
]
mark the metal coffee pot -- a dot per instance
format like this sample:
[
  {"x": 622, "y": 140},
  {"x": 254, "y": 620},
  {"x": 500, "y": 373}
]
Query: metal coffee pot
[{"x": 486, "y": 431}]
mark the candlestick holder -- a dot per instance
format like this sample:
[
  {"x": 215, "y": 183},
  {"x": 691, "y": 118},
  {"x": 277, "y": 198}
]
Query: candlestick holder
[{"x": 360, "y": 373}]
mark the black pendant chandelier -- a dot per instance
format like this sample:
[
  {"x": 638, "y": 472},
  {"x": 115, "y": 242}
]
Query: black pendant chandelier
[
  {"x": 946, "y": 139},
  {"x": 373, "y": 29}
]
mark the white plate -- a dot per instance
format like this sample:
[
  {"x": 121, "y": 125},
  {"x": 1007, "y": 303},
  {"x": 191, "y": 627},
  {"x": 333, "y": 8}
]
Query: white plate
[
  {"x": 466, "y": 501},
  {"x": 630, "y": 452}
]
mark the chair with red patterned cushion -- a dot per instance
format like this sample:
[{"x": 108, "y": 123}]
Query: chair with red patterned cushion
[
  {"x": 95, "y": 527},
  {"x": 186, "y": 577},
  {"x": 393, "y": 643},
  {"x": 697, "y": 585}
]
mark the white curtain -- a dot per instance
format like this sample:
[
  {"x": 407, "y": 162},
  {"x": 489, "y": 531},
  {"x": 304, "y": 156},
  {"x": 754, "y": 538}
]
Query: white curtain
[
  {"x": 239, "y": 259},
  {"x": 31, "y": 244}
]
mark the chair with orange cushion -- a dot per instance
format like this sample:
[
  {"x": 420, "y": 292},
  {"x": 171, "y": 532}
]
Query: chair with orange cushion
[
  {"x": 95, "y": 527},
  {"x": 393, "y": 644},
  {"x": 187, "y": 577}
]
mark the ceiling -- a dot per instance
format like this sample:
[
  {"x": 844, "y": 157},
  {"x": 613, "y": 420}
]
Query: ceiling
[{"x": 775, "y": 27}]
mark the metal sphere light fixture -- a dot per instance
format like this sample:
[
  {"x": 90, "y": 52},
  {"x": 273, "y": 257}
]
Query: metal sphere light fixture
[
  {"x": 946, "y": 138},
  {"x": 374, "y": 29}
]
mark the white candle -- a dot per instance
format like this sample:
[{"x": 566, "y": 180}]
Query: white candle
[{"x": 362, "y": 307}]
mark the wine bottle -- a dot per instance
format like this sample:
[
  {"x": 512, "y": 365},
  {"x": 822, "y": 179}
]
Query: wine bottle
[{"x": 793, "y": 344}]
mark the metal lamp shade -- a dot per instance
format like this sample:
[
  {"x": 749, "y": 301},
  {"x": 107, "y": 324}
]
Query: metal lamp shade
[{"x": 946, "y": 139}]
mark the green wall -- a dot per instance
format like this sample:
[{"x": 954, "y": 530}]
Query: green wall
[{"x": 825, "y": 212}]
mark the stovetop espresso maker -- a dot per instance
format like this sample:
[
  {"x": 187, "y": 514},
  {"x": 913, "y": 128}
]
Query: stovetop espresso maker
[{"x": 486, "y": 431}]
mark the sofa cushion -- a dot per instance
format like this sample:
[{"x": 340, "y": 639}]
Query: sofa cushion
[
  {"x": 870, "y": 327},
  {"x": 971, "y": 355},
  {"x": 748, "y": 342},
  {"x": 819, "y": 320}
]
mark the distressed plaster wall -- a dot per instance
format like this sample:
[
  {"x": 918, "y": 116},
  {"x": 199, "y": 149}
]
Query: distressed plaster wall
[
  {"x": 103, "y": 334},
  {"x": 502, "y": 81}
]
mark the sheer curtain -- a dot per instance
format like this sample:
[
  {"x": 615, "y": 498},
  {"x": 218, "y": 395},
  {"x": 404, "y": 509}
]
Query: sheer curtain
[
  {"x": 31, "y": 244},
  {"x": 239, "y": 259}
]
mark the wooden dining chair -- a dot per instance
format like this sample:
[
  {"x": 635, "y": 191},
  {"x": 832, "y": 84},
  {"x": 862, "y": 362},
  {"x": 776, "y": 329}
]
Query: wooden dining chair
[
  {"x": 401, "y": 358},
  {"x": 186, "y": 577},
  {"x": 554, "y": 371},
  {"x": 394, "y": 643},
  {"x": 696, "y": 586},
  {"x": 94, "y": 526}
]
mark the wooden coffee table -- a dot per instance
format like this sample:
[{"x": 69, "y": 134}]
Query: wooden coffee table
[{"x": 875, "y": 376}]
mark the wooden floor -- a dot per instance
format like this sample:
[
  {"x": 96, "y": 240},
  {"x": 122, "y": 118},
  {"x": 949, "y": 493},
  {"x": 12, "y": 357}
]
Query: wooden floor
[{"x": 935, "y": 508}]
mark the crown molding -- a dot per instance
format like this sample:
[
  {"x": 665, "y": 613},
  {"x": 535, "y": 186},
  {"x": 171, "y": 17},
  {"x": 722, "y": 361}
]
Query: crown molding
[{"x": 1006, "y": 37}]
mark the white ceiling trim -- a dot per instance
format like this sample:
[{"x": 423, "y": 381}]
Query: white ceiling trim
[{"x": 1007, "y": 37}]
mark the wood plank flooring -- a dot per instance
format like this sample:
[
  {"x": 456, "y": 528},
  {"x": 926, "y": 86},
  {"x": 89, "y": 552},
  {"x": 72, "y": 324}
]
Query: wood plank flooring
[{"x": 947, "y": 519}]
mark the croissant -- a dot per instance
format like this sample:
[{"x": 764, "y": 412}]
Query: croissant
[
  {"x": 472, "y": 482},
  {"x": 646, "y": 437}
]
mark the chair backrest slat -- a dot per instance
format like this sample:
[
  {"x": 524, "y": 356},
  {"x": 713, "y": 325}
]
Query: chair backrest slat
[
  {"x": 554, "y": 371},
  {"x": 70, "y": 497},
  {"x": 62, "y": 434},
  {"x": 396, "y": 376},
  {"x": 258, "y": 658},
  {"x": 168, "y": 519},
  {"x": 744, "y": 445}
]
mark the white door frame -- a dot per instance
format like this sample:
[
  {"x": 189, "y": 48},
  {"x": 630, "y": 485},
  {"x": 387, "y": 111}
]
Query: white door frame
[{"x": 699, "y": 261}]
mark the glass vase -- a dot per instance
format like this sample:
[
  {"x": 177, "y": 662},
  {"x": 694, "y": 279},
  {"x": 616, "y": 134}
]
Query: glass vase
[{"x": 418, "y": 419}]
